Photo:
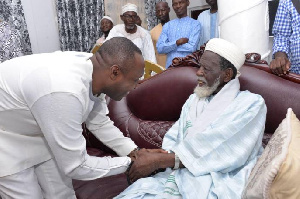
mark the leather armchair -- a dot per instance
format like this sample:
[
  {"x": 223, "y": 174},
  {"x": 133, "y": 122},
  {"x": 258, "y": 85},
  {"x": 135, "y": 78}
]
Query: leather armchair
[{"x": 149, "y": 111}]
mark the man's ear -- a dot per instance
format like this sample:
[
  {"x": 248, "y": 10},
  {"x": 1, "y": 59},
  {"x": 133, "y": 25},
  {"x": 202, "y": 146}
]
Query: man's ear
[
  {"x": 228, "y": 74},
  {"x": 122, "y": 18},
  {"x": 115, "y": 72}
]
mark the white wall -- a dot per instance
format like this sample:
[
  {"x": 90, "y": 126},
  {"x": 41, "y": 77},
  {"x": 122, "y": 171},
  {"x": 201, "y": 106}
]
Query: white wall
[{"x": 41, "y": 22}]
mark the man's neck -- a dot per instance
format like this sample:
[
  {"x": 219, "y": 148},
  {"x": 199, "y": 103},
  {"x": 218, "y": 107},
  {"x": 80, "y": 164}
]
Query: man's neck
[
  {"x": 105, "y": 34},
  {"x": 214, "y": 9},
  {"x": 182, "y": 16},
  {"x": 165, "y": 21}
]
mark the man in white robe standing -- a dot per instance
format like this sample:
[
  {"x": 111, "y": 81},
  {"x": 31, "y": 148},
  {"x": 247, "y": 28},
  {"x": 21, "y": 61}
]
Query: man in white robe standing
[
  {"x": 138, "y": 35},
  {"x": 209, "y": 22},
  {"x": 216, "y": 141}
]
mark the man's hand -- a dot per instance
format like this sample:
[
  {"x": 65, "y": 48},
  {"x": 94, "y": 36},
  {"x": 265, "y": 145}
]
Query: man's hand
[
  {"x": 182, "y": 41},
  {"x": 145, "y": 163},
  {"x": 156, "y": 151},
  {"x": 133, "y": 154},
  {"x": 281, "y": 64}
]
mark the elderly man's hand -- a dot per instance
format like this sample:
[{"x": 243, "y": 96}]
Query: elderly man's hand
[
  {"x": 145, "y": 163},
  {"x": 281, "y": 64},
  {"x": 156, "y": 151},
  {"x": 182, "y": 41}
]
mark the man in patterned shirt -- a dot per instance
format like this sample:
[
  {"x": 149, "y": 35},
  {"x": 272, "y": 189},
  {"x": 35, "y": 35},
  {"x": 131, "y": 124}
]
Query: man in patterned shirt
[
  {"x": 286, "y": 47},
  {"x": 10, "y": 44}
]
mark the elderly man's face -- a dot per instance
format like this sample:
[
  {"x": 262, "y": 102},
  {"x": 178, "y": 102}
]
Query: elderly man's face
[
  {"x": 162, "y": 11},
  {"x": 209, "y": 75},
  {"x": 129, "y": 19}
]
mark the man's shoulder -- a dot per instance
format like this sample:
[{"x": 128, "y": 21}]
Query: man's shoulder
[
  {"x": 182, "y": 21},
  {"x": 142, "y": 29},
  {"x": 145, "y": 34},
  {"x": 157, "y": 27},
  {"x": 118, "y": 28},
  {"x": 249, "y": 97},
  {"x": 287, "y": 4},
  {"x": 194, "y": 21},
  {"x": 203, "y": 14}
]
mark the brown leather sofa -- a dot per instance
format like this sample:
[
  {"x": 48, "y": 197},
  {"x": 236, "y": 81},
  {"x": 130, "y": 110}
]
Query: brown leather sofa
[{"x": 149, "y": 111}]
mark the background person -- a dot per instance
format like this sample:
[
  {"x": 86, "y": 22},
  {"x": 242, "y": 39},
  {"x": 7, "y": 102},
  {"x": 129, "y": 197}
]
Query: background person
[
  {"x": 209, "y": 22},
  {"x": 162, "y": 11},
  {"x": 180, "y": 36},
  {"x": 138, "y": 35},
  {"x": 106, "y": 24},
  {"x": 286, "y": 46}
]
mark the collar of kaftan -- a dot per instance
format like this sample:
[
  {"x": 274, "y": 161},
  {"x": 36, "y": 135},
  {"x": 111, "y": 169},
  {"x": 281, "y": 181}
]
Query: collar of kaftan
[
  {"x": 140, "y": 33},
  {"x": 216, "y": 106}
]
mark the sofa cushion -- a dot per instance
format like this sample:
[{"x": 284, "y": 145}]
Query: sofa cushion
[
  {"x": 286, "y": 184},
  {"x": 280, "y": 161}
]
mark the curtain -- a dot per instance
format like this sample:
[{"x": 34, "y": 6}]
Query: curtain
[
  {"x": 11, "y": 11},
  {"x": 150, "y": 13},
  {"x": 78, "y": 22}
]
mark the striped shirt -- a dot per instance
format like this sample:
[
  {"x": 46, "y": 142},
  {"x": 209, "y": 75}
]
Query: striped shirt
[{"x": 286, "y": 32}]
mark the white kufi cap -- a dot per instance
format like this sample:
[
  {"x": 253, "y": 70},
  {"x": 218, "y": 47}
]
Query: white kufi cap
[
  {"x": 227, "y": 50},
  {"x": 107, "y": 17},
  {"x": 129, "y": 7}
]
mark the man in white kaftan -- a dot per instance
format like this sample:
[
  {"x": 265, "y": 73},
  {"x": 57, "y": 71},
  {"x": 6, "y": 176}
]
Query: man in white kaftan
[
  {"x": 138, "y": 35},
  {"x": 209, "y": 22},
  {"x": 44, "y": 100},
  {"x": 216, "y": 141}
]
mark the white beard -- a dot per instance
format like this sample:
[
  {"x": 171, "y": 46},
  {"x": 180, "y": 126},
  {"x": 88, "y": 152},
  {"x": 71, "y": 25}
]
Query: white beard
[{"x": 205, "y": 91}]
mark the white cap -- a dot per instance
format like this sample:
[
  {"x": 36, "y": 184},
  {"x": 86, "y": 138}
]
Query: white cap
[
  {"x": 107, "y": 17},
  {"x": 227, "y": 50},
  {"x": 129, "y": 7}
]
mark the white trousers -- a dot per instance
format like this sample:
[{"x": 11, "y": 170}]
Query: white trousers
[{"x": 41, "y": 181}]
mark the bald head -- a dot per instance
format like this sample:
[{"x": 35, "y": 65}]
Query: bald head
[
  {"x": 162, "y": 11},
  {"x": 120, "y": 51},
  {"x": 117, "y": 67},
  {"x": 161, "y": 3}
]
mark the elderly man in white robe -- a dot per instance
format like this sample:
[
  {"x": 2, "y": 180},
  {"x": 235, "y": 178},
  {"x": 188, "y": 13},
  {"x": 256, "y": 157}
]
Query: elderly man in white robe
[
  {"x": 138, "y": 35},
  {"x": 216, "y": 141}
]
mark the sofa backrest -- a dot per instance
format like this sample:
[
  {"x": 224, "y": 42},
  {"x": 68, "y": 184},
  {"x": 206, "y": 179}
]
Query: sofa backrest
[
  {"x": 150, "y": 110},
  {"x": 280, "y": 93},
  {"x": 147, "y": 112}
]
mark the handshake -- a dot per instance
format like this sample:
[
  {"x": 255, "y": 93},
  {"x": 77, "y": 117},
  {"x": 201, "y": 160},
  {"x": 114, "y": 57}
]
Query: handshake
[{"x": 147, "y": 162}]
